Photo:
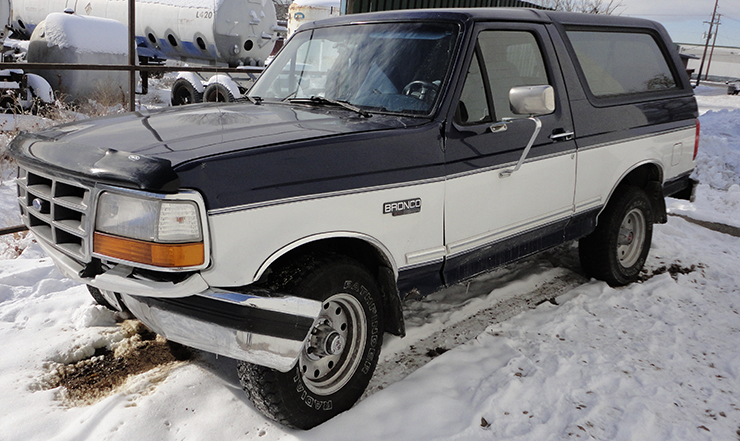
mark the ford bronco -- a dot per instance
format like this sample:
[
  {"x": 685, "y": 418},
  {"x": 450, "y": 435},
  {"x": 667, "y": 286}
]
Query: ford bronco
[{"x": 378, "y": 155}]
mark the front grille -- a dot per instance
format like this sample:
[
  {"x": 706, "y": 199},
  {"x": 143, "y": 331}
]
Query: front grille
[{"x": 58, "y": 211}]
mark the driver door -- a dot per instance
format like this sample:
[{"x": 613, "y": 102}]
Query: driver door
[{"x": 492, "y": 216}]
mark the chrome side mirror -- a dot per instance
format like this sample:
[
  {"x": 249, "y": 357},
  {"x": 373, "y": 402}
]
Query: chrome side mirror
[{"x": 532, "y": 100}]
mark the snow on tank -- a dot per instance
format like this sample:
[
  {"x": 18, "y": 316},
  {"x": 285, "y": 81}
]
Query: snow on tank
[
  {"x": 233, "y": 32},
  {"x": 67, "y": 38}
]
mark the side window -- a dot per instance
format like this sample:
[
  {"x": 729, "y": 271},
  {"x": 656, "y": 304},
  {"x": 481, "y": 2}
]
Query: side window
[
  {"x": 621, "y": 63},
  {"x": 504, "y": 59},
  {"x": 473, "y": 105},
  {"x": 512, "y": 58}
]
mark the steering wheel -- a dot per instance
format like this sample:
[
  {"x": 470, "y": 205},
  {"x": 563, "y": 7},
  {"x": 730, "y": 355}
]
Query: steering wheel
[{"x": 423, "y": 90}]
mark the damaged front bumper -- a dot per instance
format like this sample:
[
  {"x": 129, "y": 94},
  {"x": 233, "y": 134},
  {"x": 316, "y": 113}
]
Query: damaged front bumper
[{"x": 257, "y": 326}]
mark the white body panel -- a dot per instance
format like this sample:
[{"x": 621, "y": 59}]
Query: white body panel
[
  {"x": 485, "y": 207},
  {"x": 672, "y": 152},
  {"x": 243, "y": 241}
]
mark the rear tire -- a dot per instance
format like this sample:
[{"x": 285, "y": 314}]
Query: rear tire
[
  {"x": 340, "y": 355},
  {"x": 10, "y": 105},
  {"x": 616, "y": 251},
  {"x": 217, "y": 93}
]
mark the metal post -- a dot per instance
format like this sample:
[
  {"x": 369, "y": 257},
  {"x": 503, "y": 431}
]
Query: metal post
[
  {"x": 711, "y": 52},
  {"x": 706, "y": 46},
  {"x": 132, "y": 54}
]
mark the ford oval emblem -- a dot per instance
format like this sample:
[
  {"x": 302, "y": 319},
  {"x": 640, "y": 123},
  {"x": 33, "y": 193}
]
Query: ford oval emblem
[
  {"x": 299, "y": 16},
  {"x": 134, "y": 157},
  {"x": 37, "y": 204}
]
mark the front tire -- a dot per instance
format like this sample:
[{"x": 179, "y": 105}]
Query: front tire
[
  {"x": 340, "y": 355},
  {"x": 616, "y": 251},
  {"x": 112, "y": 301}
]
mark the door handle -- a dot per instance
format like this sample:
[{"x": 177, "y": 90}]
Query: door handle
[
  {"x": 562, "y": 136},
  {"x": 498, "y": 127}
]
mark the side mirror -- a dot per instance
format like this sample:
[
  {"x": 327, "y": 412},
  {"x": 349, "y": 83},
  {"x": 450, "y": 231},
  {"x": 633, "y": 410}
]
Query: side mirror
[{"x": 532, "y": 100}]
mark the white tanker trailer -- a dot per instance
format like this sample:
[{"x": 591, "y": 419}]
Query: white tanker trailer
[
  {"x": 214, "y": 32},
  {"x": 230, "y": 32}
]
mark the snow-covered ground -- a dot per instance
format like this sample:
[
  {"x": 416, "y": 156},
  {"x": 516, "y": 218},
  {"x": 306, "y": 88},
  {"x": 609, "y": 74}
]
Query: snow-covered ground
[{"x": 656, "y": 360}]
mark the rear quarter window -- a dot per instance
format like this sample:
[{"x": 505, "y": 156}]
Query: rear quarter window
[{"x": 617, "y": 64}]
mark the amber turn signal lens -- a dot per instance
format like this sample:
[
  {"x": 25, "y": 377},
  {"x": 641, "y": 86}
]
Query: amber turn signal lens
[{"x": 169, "y": 255}]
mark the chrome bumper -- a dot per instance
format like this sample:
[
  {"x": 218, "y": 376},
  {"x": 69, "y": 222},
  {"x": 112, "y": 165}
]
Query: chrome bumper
[
  {"x": 260, "y": 327},
  {"x": 269, "y": 331}
]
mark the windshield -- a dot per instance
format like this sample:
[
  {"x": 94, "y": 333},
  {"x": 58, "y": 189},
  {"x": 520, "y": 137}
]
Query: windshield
[{"x": 386, "y": 67}]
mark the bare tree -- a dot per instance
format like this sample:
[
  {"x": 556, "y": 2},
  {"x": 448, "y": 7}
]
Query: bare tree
[{"x": 607, "y": 7}]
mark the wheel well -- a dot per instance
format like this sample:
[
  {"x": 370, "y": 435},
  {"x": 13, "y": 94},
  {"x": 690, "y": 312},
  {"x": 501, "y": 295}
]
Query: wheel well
[
  {"x": 648, "y": 177},
  {"x": 369, "y": 257}
]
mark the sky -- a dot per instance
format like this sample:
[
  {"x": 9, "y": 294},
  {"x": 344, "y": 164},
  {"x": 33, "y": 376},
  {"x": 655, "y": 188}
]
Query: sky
[{"x": 684, "y": 19}]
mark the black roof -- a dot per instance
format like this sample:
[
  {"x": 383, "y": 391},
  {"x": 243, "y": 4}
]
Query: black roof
[
  {"x": 491, "y": 14},
  {"x": 360, "y": 6}
]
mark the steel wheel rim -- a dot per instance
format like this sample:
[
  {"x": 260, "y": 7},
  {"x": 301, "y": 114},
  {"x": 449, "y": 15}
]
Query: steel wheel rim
[
  {"x": 632, "y": 233},
  {"x": 342, "y": 317}
]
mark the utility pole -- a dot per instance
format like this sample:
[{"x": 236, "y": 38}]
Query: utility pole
[
  {"x": 706, "y": 45},
  {"x": 711, "y": 52}
]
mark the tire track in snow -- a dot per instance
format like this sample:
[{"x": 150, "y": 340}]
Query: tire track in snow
[
  {"x": 401, "y": 363},
  {"x": 714, "y": 226}
]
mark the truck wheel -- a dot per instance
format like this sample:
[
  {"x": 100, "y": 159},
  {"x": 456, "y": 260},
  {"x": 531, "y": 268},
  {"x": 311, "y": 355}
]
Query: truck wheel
[
  {"x": 102, "y": 300},
  {"x": 340, "y": 355},
  {"x": 183, "y": 92},
  {"x": 616, "y": 251},
  {"x": 217, "y": 93}
]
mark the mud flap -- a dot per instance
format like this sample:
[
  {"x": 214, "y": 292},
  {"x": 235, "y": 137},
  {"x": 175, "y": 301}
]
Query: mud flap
[{"x": 393, "y": 310}]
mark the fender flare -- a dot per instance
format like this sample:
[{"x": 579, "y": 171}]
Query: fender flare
[
  {"x": 387, "y": 275},
  {"x": 382, "y": 250},
  {"x": 655, "y": 192}
]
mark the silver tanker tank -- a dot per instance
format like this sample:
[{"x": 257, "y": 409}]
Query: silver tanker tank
[
  {"x": 232, "y": 32},
  {"x": 67, "y": 38}
]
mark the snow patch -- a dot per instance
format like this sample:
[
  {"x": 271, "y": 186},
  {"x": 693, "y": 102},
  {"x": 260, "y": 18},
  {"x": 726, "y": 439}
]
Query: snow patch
[{"x": 84, "y": 33}]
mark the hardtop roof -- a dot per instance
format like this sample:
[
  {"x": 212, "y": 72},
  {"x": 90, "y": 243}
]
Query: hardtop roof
[{"x": 464, "y": 15}]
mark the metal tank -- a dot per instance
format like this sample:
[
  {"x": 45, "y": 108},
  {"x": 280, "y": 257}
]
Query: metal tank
[
  {"x": 232, "y": 32},
  {"x": 67, "y": 38}
]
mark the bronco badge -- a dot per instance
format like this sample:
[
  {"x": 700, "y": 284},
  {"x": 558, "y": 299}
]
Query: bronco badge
[{"x": 400, "y": 208}]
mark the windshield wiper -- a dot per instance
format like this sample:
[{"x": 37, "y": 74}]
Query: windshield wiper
[
  {"x": 257, "y": 100},
  {"x": 323, "y": 100}
]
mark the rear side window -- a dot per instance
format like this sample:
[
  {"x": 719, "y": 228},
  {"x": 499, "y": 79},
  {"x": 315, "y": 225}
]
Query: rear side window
[{"x": 621, "y": 63}]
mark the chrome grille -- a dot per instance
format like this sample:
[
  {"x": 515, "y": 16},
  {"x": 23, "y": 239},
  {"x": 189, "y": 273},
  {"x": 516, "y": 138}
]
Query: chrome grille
[{"x": 58, "y": 211}]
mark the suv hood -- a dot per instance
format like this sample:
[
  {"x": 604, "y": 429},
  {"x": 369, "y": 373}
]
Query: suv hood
[{"x": 140, "y": 149}]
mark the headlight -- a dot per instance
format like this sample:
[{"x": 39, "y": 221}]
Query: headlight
[{"x": 156, "y": 232}]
